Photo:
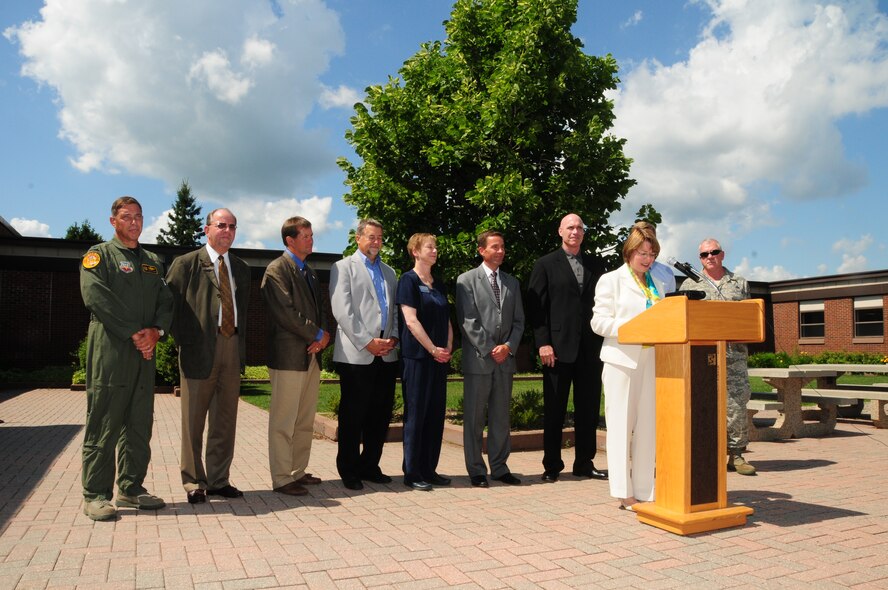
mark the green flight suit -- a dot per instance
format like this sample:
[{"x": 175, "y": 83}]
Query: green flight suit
[{"x": 125, "y": 291}]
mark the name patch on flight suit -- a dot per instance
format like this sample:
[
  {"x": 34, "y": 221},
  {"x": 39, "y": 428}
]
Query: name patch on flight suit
[
  {"x": 149, "y": 269},
  {"x": 92, "y": 259},
  {"x": 126, "y": 266}
]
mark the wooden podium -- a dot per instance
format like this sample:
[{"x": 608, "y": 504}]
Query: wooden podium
[{"x": 690, "y": 340}]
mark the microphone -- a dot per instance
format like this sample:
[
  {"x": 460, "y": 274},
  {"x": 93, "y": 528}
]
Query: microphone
[{"x": 685, "y": 268}]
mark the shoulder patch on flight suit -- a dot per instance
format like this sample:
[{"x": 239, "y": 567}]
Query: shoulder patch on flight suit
[
  {"x": 91, "y": 259},
  {"x": 126, "y": 266},
  {"x": 149, "y": 268}
]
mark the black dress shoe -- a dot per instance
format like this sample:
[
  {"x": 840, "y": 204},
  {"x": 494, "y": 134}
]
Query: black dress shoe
[
  {"x": 439, "y": 480},
  {"x": 422, "y": 486},
  {"x": 590, "y": 472},
  {"x": 228, "y": 491},
  {"x": 378, "y": 478},
  {"x": 353, "y": 484},
  {"x": 197, "y": 496},
  {"x": 550, "y": 477},
  {"x": 479, "y": 481},
  {"x": 509, "y": 479}
]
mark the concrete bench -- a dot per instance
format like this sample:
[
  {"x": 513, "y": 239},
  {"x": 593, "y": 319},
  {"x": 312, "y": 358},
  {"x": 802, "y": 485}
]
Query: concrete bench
[{"x": 876, "y": 393}]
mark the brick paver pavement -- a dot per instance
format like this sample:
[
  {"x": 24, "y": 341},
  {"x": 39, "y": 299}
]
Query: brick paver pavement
[{"x": 820, "y": 520}]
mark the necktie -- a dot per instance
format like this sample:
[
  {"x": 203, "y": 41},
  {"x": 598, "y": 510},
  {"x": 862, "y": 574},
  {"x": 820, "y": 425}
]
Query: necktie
[
  {"x": 308, "y": 280},
  {"x": 495, "y": 286},
  {"x": 227, "y": 327}
]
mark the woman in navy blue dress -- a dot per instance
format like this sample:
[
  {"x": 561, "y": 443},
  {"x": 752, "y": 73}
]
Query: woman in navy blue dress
[{"x": 426, "y": 345}]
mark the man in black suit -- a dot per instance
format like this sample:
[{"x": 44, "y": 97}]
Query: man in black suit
[{"x": 560, "y": 299}]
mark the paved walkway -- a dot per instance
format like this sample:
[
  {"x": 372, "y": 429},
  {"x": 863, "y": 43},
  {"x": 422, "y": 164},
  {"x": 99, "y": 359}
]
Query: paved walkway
[{"x": 821, "y": 520}]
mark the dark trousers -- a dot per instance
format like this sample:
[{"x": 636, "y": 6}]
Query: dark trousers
[
  {"x": 585, "y": 375},
  {"x": 365, "y": 411},
  {"x": 424, "y": 385}
]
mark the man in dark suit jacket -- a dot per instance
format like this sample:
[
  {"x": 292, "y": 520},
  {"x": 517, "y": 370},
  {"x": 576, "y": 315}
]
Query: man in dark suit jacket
[
  {"x": 362, "y": 294},
  {"x": 560, "y": 300},
  {"x": 211, "y": 337},
  {"x": 491, "y": 318},
  {"x": 297, "y": 320}
]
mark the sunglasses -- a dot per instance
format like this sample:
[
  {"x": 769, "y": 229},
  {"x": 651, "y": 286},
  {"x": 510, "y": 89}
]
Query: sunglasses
[
  {"x": 223, "y": 226},
  {"x": 710, "y": 253}
]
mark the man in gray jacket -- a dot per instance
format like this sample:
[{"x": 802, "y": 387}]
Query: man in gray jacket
[
  {"x": 491, "y": 318},
  {"x": 362, "y": 293}
]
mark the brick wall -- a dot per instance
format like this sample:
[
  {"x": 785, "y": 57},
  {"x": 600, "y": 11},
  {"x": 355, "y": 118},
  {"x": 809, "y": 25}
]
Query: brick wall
[{"x": 839, "y": 332}]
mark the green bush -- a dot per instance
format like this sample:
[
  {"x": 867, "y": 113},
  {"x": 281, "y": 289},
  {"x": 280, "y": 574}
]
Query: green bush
[
  {"x": 525, "y": 410},
  {"x": 327, "y": 360},
  {"x": 782, "y": 359},
  {"x": 456, "y": 362},
  {"x": 167, "y": 363}
]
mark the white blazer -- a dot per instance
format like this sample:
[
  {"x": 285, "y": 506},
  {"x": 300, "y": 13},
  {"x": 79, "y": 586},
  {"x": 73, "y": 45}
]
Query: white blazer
[
  {"x": 356, "y": 309},
  {"x": 618, "y": 299}
]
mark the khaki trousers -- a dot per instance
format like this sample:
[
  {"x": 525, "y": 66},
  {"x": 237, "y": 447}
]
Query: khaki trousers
[
  {"x": 216, "y": 398},
  {"x": 294, "y": 399}
]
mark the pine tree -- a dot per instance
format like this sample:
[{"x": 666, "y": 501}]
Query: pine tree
[
  {"x": 186, "y": 226},
  {"x": 84, "y": 232}
]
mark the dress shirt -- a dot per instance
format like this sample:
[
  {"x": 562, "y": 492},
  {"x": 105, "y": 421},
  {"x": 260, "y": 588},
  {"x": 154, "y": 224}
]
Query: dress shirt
[
  {"x": 375, "y": 270},
  {"x": 214, "y": 256}
]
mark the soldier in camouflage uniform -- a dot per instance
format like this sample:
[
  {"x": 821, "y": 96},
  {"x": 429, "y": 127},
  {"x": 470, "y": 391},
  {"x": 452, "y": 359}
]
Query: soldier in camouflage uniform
[
  {"x": 724, "y": 285},
  {"x": 131, "y": 308}
]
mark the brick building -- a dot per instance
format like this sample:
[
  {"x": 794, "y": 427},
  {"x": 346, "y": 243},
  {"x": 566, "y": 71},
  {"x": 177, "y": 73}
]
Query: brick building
[{"x": 832, "y": 313}]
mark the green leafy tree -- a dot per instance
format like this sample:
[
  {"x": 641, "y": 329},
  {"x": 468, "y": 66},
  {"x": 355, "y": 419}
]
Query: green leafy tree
[
  {"x": 186, "y": 226},
  {"x": 83, "y": 231},
  {"x": 503, "y": 125}
]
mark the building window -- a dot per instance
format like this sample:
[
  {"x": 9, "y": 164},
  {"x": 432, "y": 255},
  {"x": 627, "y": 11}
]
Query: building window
[
  {"x": 811, "y": 319},
  {"x": 868, "y": 317}
]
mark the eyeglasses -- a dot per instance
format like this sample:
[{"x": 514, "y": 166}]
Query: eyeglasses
[
  {"x": 710, "y": 253},
  {"x": 223, "y": 226}
]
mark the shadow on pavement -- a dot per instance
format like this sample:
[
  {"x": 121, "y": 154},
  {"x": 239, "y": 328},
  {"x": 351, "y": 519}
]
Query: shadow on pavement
[
  {"x": 780, "y": 509},
  {"x": 790, "y": 464},
  {"x": 27, "y": 453}
]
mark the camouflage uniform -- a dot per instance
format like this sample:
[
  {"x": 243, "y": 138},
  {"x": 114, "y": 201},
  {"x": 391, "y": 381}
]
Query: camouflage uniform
[
  {"x": 732, "y": 288},
  {"x": 125, "y": 291}
]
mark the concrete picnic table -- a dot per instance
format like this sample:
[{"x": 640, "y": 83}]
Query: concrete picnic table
[{"x": 791, "y": 422}]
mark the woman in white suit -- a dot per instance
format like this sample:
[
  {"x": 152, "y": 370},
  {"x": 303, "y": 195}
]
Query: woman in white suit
[{"x": 628, "y": 375}]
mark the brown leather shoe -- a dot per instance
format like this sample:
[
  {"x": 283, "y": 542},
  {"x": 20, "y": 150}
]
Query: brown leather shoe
[
  {"x": 292, "y": 489},
  {"x": 308, "y": 480}
]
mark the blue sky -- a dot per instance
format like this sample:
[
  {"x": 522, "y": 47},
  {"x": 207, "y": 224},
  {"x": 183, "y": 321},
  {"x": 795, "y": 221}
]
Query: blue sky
[{"x": 760, "y": 123}]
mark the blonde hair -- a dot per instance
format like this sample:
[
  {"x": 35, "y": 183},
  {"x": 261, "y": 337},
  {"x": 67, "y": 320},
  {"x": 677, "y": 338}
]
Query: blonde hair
[
  {"x": 640, "y": 233},
  {"x": 417, "y": 241}
]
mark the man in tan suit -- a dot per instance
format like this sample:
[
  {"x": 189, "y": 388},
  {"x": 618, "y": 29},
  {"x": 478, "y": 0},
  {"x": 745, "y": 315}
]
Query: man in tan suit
[
  {"x": 211, "y": 288},
  {"x": 296, "y": 335}
]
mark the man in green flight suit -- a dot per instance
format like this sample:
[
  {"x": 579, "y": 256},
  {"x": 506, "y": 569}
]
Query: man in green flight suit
[{"x": 131, "y": 308}]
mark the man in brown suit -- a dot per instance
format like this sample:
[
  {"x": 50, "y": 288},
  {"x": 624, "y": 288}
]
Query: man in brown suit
[
  {"x": 296, "y": 335},
  {"x": 211, "y": 287}
]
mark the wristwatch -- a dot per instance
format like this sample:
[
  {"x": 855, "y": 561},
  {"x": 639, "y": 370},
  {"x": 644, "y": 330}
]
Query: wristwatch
[{"x": 160, "y": 331}]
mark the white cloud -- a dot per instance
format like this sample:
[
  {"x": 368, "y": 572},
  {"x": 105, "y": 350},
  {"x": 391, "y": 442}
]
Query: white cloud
[
  {"x": 214, "y": 70},
  {"x": 30, "y": 227},
  {"x": 342, "y": 97},
  {"x": 853, "y": 253},
  {"x": 151, "y": 229},
  {"x": 633, "y": 20},
  {"x": 257, "y": 52},
  {"x": 216, "y": 91},
  {"x": 259, "y": 222},
  {"x": 754, "y": 107},
  {"x": 852, "y": 263},
  {"x": 763, "y": 273}
]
